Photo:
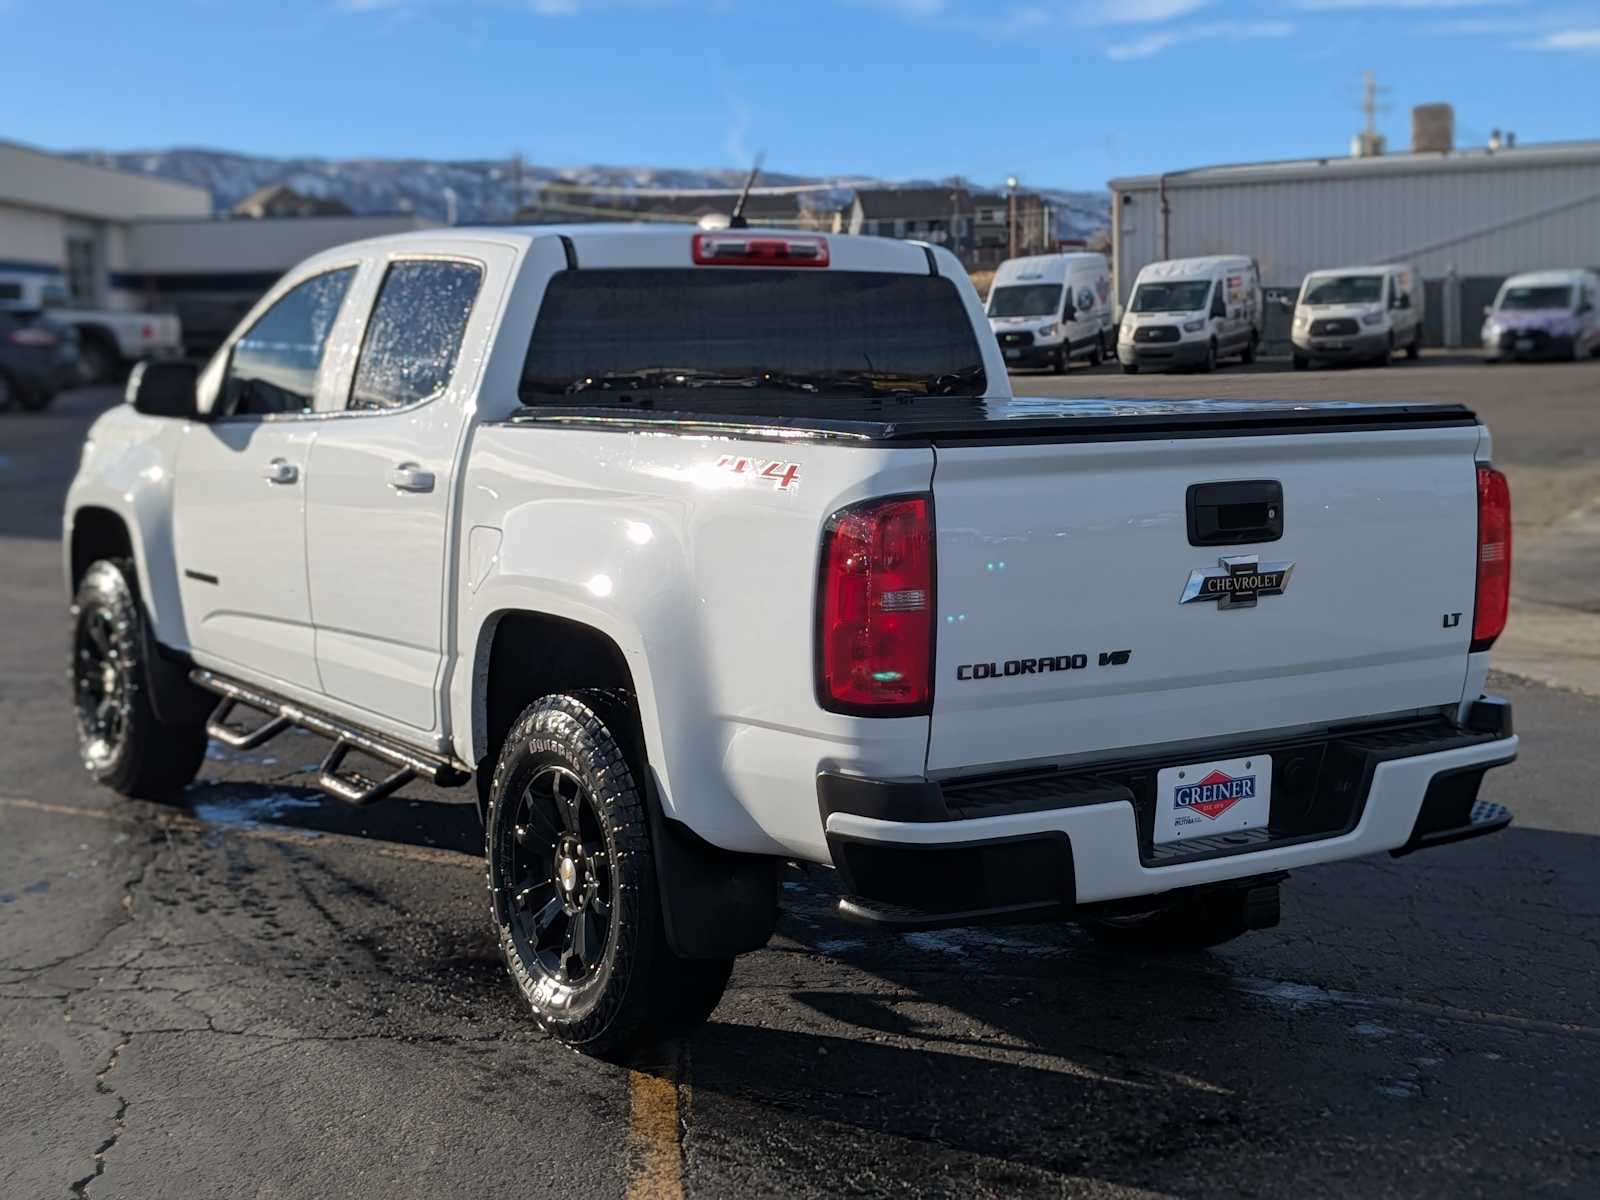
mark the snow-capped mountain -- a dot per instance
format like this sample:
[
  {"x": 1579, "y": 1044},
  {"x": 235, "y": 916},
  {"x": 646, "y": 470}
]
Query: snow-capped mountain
[{"x": 494, "y": 189}]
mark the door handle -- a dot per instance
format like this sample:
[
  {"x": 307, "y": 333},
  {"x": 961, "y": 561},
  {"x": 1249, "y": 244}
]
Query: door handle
[
  {"x": 409, "y": 477},
  {"x": 280, "y": 470}
]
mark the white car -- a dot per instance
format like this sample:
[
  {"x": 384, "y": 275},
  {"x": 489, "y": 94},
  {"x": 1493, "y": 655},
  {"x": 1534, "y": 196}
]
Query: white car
[
  {"x": 1191, "y": 312},
  {"x": 1358, "y": 313},
  {"x": 1049, "y": 309},
  {"x": 703, "y": 552},
  {"x": 1544, "y": 314}
]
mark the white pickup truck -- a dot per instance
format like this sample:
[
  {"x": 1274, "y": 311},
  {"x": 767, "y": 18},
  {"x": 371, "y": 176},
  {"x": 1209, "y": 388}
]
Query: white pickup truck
[
  {"x": 707, "y": 551},
  {"x": 108, "y": 341}
]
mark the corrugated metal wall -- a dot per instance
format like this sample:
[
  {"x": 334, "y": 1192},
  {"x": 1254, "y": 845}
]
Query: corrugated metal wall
[{"x": 1488, "y": 222}]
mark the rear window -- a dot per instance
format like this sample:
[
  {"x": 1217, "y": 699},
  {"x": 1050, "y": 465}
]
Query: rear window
[{"x": 717, "y": 337}]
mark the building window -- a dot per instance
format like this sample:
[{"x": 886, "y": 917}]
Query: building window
[{"x": 82, "y": 272}]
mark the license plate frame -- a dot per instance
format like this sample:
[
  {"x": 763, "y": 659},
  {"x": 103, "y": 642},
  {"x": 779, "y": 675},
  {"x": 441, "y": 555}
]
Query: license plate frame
[
  {"x": 1012, "y": 353},
  {"x": 1206, "y": 798},
  {"x": 1525, "y": 343}
]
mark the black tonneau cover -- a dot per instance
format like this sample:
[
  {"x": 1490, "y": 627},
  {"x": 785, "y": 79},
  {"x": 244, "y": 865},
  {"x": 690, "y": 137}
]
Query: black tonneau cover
[{"x": 954, "y": 420}]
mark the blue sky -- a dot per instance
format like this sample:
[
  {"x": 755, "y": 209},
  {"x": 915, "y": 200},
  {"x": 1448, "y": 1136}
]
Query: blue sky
[{"x": 1060, "y": 93}]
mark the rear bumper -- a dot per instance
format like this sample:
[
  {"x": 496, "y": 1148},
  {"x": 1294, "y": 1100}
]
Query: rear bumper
[
  {"x": 1162, "y": 354},
  {"x": 1077, "y": 840},
  {"x": 42, "y": 371}
]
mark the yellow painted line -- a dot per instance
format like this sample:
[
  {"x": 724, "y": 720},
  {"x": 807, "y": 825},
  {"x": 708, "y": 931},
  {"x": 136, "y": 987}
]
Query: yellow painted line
[
  {"x": 262, "y": 833},
  {"x": 655, "y": 1168}
]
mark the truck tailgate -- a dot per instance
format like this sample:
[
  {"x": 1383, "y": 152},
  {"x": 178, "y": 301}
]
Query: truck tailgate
[{"x": 1061, "y": 566}]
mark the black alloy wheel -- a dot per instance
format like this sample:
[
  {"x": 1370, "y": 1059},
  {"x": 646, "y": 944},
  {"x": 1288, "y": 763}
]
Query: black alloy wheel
[
  {"x": 124, "y": 744},
  {"x": 100, "y": 685},
  {"x": 562, "y": 886}
]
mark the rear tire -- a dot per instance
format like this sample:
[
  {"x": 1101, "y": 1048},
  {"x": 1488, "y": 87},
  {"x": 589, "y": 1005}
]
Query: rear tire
[
  {"x": 1414, "y": 350},
  {"x": 124, "y": 745},
  {"x": 1386, "y": 356},
  {"x": 1097, "y": 353},
  {"x": 579, "y": 919}
]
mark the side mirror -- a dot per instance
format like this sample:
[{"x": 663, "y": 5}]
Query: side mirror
[
  {"x": 165, "y": 388},
  {"x": 1487, "y": 309}
]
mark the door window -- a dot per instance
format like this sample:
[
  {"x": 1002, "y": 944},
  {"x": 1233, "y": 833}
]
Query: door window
[
  {"x": 273, "y": 367},
  {"x": 415, "y": 333}
]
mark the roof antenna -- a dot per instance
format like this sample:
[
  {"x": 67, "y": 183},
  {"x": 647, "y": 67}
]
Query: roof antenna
[{"x": 736, "y": 220}]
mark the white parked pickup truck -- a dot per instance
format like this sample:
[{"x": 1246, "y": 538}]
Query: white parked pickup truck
[
  {"x": 108, "y": 341},
  {"x": 707, "y": 551}
]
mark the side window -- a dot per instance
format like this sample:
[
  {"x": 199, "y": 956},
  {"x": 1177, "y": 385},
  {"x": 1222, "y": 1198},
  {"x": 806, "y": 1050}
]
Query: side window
[
  {"x": 415, "y": 332},
  {"x": 273, "y": 368}
]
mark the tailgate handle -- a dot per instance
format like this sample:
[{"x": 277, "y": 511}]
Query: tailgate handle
[{"x": 1235, "y": 513}]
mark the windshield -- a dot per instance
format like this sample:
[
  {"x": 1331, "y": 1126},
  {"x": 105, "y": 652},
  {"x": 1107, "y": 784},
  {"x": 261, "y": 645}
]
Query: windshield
[
  {"x": 727, "y": 333},
  {"x": 1344, "y": 289},
  {"x": 1026, "y": 300},
  {"x": 1183, "y": 296},
  {"x": 1549, "y": 296}
]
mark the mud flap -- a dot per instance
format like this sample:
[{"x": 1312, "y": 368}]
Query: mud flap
[{"x": 714, "y": 903}]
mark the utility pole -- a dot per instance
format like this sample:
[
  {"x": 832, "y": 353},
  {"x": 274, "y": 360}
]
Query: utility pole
[
  {"x": 1369, "y": 142},
  {"x": 1011, "y": 216}
]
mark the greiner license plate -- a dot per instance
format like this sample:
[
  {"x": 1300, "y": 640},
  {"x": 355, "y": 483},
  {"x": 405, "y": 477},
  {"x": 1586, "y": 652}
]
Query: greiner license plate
[{"x": 1213, "y": 797}]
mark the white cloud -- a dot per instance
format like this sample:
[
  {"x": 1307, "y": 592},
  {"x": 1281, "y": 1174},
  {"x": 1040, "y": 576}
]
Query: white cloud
[
  {"x": 1568, "y": 39},
  {"x": 1151, "y": 44},
  {"x": 1138, "y": 12},
  {"x": 1409, "y": 5}
]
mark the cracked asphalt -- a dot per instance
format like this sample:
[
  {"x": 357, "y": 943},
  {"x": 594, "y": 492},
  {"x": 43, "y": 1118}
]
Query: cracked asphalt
[{"x": 259, "y": 992}]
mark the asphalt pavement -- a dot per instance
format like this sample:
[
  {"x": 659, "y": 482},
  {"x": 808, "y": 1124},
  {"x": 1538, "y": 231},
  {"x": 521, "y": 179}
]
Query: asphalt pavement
[{"x": 259, "y": 992}]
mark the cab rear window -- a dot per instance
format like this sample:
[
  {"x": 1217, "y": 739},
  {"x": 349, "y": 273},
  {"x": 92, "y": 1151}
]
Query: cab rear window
[{"x": 717, "y": 338}]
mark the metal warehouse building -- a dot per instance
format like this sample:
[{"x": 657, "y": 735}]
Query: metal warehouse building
[{"x": 1465, "y": 219}]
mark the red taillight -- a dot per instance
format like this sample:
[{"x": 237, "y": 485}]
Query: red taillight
[
  {"x": 33, "y": 337},
  {"x": 875, "y": 609},
  {"x": 738, "y": 250},
  {"x": 1494, "y": 558}
]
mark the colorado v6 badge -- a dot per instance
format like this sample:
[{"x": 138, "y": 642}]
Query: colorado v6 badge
[{"x": 1237, "y": 582}]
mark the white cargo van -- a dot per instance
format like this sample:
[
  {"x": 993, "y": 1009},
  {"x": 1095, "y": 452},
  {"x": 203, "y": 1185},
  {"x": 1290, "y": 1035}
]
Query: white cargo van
[
  {"x": 1190, "y": 312},
  {"x": 1544, "y": 314},
  {"x": 1365, "y": 313},
  {"x": 1049, "y": 309}
]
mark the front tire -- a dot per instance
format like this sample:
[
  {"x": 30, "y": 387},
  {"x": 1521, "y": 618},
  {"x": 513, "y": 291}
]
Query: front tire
[
  {"x": 573, "y": 882},
  {"x": 1414, "y": 350},
  {"x": 1248, "y": 358},
  {"x": 124, "y": 745},
  {"x": 1130, "y": 368},
  {"x": 1301, "y": 362},
  {"x": 1209, "y": 363}
]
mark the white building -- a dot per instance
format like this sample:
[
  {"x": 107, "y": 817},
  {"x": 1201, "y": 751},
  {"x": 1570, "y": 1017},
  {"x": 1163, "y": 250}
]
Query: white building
[
  {"x": 1469, "y": 217},
  {"x": 64, "y": 219},
  {"x": 120, "y": 240}
]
